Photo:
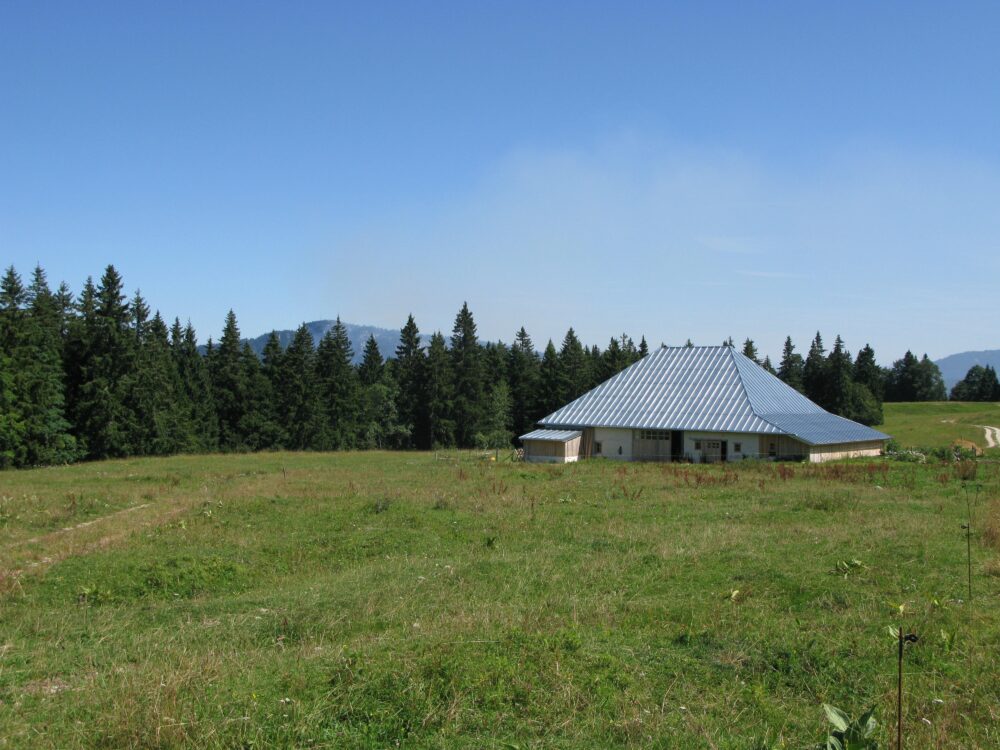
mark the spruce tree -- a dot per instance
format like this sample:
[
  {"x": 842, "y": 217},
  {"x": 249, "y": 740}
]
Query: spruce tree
[
  {"x": 257, "y": 429},
  {"x": 338, "y": 389},
  {"x": 839, "y": 379},
  {"x": 372, "y": 365},
  {"x": 229, "y": 385},
  {"x": 466, "y": 360},
  {"x": 868, "y": 373},
  {"x": 440, "y": 396},
  {"x": 551, "y": 389},
  {"x": 523, "y": 374},
  {"x": 154, "y": 393},
  {"x": 104, "y": 421},
  {"x": 750, "y": 350},
  {"x": 197, "y": 388},
  {"x": 496, "y": 431},
  {"x": 766, "y": 364},
  {"x": 613, "y": 361},
  {"x": 791, "y": 366},
  {"x": 574, "y": 368},
  {"x": 297, "y": 395},
  {"x": 814, "y": 372},
  {"x": 410, "y": 376},
  {"x": 643, "y": 348}
]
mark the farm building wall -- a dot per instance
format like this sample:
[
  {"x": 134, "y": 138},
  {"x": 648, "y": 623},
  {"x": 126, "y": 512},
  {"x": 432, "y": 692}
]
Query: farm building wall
[
  {"x": 615, "y": 443},
  {"x": 552, "y": 451},
  {"x": 700, "y": 446},
  {"x": 820, "y": 453}
]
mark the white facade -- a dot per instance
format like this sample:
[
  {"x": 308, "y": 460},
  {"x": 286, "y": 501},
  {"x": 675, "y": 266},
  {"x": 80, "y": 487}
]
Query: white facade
[
  {"x": 615, "y": 443},
  {"x": 699, "y": 445}
]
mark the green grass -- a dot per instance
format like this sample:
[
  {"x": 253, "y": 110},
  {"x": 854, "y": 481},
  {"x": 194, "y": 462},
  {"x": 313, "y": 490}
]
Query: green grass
[
  {"x": 382, "y": 600},
  {"x": 938, "y": 424}
]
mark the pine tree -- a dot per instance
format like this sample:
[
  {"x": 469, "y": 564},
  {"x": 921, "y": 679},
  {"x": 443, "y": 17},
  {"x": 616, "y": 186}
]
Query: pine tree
[
  {"x": 338, "y": 389},
  {"x": 643, "y": 348},
  {"x": 11, "y": 429},
  {"x": 750, "y": 350},
  {"x": 791, "y": 366},
  {"x": 410, "y": 376},
  {"x": 154, "y": 393},
  {"x": 229, "y": 385},
  {"x": 440, "y": 396},
  {"x": 523, "y": 373},
  {"x": 550, "y": 391},
  {"x": 814, "y": 372},
  {"x": 497, "y": 423},
  {"x": 372, "y": 365},
  {"x": 297, "y": 396},
  {"x": 868, "y": 373},
  {"x": 839, "y": 380},
  {"x": 766, "y": 364},
  {"x": 613, "y": 361},
  {"x": 466, "y": 358},
  {"x": 196, "y": 388},
  {"x": 257, "y": 429},
  {"x": 574, "y": 368},
  {"x": 104, "y": 422}
]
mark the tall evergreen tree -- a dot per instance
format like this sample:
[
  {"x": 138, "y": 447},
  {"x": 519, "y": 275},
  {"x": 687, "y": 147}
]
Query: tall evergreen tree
[
  {"x": 643, "y": 348},
  {"x": 868, "y": 373},
  {"x": 372, "y": 365},
  {"x": 750, "y": 350},
  {"x": 230, "y": 389},
  {"x": 154, "y": 393},
  {"x": 497, "y": 423},
  {"x": 551, "y": 387},
  {"x": 814, "y": 372},
  {"x": 338, "y": 388},
  {"x": 410, "y": 377},
  {"x": 440, "y": 396},
  {"x": 466, "y": 358},
  {"x": 766, "y": 364},
  {"x": 574, "y": 368},
  {"x": 790, "y": 369},
  {"x": 523, "y": 372},
  {"x": 196, "y": 387},
  {"x": 298, "y": 395},
  {"x": 104, "y": 421},
  {"x": 613, "y": 361}
]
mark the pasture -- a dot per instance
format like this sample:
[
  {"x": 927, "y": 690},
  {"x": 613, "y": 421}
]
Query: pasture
[
  {"x": 371, "y": 600},
  {"x": 937, "y": 424}
]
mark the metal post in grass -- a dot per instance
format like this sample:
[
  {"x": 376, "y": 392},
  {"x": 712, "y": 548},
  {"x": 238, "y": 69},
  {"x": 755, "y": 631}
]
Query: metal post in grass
[
  {"x": 967, "y": 526},
  {"x": 903, "y": 639}
]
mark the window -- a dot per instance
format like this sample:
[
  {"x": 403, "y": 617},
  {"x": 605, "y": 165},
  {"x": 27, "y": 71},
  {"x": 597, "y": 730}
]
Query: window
[
  {"x": 772, "y": 449},
  {"x": 737, "y": 447},
  {"x": 597, "y": 448},
  {"x": 697, "y": 445},
  {"x": 654, "y": 434}
]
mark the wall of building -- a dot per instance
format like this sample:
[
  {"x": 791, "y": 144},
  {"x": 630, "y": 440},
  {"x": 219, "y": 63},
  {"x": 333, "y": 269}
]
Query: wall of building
[
  {"x": 552, "y": 451},
  {"x": 611, "y": 441},
  {"x": 777, "y": 447},
  {"x": 820, "y": 453},
  {"x": 748, "y": 445}
]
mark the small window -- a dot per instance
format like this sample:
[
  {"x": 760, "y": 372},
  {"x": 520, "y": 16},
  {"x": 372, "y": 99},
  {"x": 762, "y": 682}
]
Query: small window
[
  {"x": 737, "y": 447},
  {"x": 772, "y": 449},
  {"x": 597, "y": 448},
  {"x": 697, "y": 445}
]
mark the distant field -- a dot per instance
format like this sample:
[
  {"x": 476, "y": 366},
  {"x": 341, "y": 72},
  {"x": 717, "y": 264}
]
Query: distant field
[
  {"x": 939, "y": 423},
  {"x": 379, "y": 600}
]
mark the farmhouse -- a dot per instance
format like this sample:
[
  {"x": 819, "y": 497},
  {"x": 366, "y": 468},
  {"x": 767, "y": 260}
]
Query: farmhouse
[{"x": 701, "y": 404}]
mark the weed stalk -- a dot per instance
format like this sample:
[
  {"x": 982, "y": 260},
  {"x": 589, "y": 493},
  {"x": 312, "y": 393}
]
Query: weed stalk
[{"x": 903, "y": 639}]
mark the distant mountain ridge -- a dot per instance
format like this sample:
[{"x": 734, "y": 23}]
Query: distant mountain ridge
[
  {"x": 954, "y": 367},
  {"x": 386, "y": 338}
]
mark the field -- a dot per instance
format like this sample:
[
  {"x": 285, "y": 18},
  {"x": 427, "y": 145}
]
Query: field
[
  {"x": 401, "y": 600},
  {"x": 937, "y": 424}
]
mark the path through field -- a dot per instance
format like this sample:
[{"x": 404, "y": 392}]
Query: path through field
[{"x": 992, "y": 436}]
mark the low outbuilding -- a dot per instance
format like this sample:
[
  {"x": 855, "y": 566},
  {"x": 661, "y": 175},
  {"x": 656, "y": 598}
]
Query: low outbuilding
[{"x": 700, "y": 404}]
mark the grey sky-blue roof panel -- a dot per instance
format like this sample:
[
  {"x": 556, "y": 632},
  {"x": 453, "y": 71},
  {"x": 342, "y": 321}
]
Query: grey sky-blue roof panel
[{"x": 705, "y": 388}]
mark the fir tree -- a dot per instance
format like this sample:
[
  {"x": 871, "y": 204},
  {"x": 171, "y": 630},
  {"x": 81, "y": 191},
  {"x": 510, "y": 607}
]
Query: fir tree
[
  {"x": 643, "y": 348},
  {"x": 523, "y": 373},
  {"x": 750, "y": 350},
  {"x": 574, "y": 368},
  {"x": 229, "y": 385},
  {"x": 868, "y": 373},
  {"x": 613, "y": 361},
  {"x": 154, "y": 393},
  {"x": 814, "y": 372},
  {"x": 551, "y": 387},
  {"x": 372, "y": 365},
  {"x": 338, "y": 389},
  {"x": 496, "y": 431},
  {"x": 410, "y": 376},
  {"x": 196, "y": 388},
  {"x": 790, "y": 369},
  {"x": 468, "y": 378},
  {"x": 766, "y": 364},
  {"x": 440, "y": 396},
  {"x": 297, "y": 395}
]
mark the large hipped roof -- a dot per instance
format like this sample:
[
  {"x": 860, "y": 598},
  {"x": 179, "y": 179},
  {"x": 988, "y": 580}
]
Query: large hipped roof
[{"x": 707, "y": 388}]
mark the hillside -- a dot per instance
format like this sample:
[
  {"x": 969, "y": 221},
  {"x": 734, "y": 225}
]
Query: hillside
[
  {"x": 363, "y": 600},
  {"x": 936, "y": 424},
  {"x": 955, "y": 366},
  {"x": 387, "y": 339}
]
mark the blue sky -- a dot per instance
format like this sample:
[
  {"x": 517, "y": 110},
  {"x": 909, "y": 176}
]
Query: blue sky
[{"x": 675, "y": 170}]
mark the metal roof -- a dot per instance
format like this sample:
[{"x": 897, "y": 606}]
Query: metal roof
[
  {"x": 561, "y": 436},
  {"x": 710, "y": 388}
]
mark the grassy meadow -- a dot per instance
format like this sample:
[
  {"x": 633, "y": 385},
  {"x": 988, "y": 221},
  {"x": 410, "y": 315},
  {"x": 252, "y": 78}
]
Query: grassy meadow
[
  {"x": 372, "y": 600},
  {"x": 936, "y": 424}
]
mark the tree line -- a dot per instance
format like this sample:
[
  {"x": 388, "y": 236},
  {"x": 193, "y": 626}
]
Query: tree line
[{"x": 97, "y": 375}]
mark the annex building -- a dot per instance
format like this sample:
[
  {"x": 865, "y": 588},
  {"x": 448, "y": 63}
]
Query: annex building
[{"x": 700, "y": 404}]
